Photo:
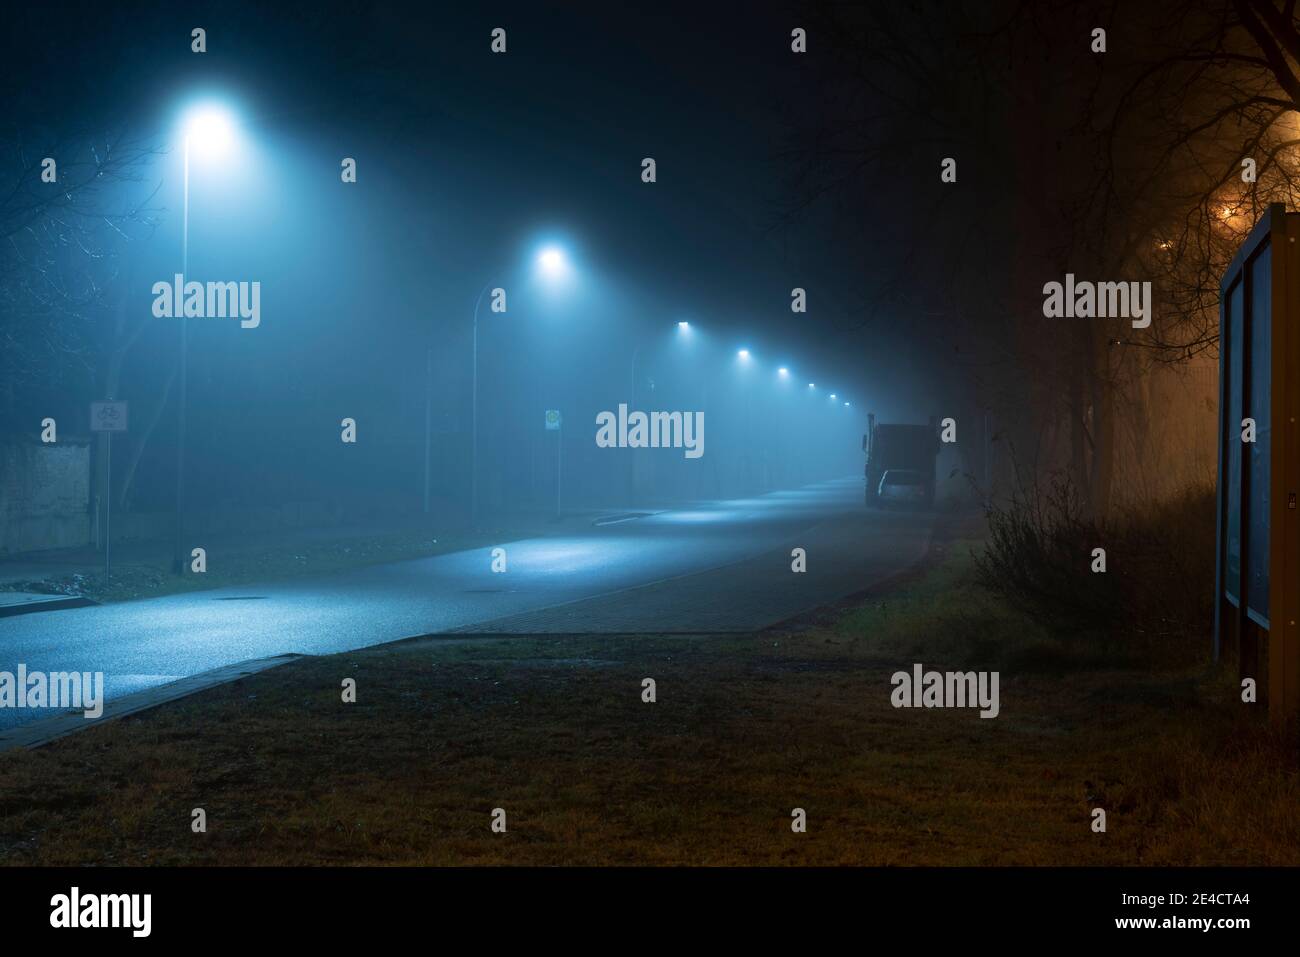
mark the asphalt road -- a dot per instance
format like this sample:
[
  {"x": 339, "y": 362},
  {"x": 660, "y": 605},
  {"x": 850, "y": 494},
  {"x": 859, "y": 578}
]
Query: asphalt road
[{"x": 720, "y": 566}]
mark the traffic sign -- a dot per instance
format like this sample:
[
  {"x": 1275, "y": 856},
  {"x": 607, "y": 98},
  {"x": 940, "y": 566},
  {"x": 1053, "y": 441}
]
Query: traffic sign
[
  {"x": 108, "y": 416},
  {"x": 553, "y": 420}
]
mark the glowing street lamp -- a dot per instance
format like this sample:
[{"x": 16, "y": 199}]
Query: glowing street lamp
[
  {"x": 209, "y": 131},
  {"x": 684, "y": 331},
  {"x": 553, "y": 264},
  {"x": 743, "y": 355}
]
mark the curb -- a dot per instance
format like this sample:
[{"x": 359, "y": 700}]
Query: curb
[
  {"x": 43, "y": 603},
  {"x": 39, "y": 733},
  {"x": 620, "y": 518}
]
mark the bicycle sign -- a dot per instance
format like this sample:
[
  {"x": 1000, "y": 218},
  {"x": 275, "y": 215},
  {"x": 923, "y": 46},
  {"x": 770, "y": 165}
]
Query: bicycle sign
[{"x": 108, "y": 416}]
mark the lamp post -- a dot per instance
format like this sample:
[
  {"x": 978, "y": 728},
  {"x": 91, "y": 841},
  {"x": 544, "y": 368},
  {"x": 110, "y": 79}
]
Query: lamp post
[
  {"x": 631, "y": 456},
  {"x": 473, "y": 454},
  {"x": 211, "y": 128},
  {"x": 553, "y": 263},
  {"x": 747, "y": 474},
  {"x": 178, "y": 554},
  {"x": 684, "y": 329}
]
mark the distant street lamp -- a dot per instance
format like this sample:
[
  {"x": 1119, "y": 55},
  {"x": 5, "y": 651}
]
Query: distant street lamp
[
  {"x": 683, "y": 328},
  {"x": 209, "y": 130},
  {"x": 473, "y": 453}
]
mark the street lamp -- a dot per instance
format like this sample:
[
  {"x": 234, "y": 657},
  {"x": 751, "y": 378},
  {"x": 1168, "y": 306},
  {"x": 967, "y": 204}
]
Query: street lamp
[
  {"x": 554, "y": 265},
  {"x": 208, "y": 130},
  {"x": 683, "y": 328},
  {"x": 744, "y": 358}
]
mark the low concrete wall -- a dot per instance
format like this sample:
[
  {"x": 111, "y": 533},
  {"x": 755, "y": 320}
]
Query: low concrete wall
[
  {"x": 45, "y": 504},
  {"x": 44, "y": 494},
  {"x": 161, "y": 525}
]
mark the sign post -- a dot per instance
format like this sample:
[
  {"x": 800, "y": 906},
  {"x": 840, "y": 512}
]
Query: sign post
[
  {"x": 553, "y": 422},
  {"x": 108, "y": 417}
]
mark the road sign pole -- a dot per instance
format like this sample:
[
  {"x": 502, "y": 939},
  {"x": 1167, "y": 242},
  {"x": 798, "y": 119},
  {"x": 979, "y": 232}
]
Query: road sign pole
[
  {"x": 108, "y": 416},
  {"x": 555, "y": 423}
]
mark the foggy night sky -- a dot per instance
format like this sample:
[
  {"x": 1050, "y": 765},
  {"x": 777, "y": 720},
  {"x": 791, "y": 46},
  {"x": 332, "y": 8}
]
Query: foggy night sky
[{"x": 466, "y": 162}]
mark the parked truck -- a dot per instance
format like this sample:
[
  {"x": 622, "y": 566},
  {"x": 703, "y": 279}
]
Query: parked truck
[{"x": 909, "y": 452}]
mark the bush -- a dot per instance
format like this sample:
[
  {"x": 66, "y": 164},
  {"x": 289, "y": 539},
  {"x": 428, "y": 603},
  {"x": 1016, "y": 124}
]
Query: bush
[{"x": 1156, "y": 595}]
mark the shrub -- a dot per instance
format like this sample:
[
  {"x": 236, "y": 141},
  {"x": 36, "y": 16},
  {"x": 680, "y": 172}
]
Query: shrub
[{"x": 1156, "y": 595}]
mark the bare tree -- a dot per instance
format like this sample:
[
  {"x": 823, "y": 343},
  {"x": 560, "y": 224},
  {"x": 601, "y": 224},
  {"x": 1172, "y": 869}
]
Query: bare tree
[
  {"x": 1126, "y": 163},
  {"x": 60, "y": 245}
]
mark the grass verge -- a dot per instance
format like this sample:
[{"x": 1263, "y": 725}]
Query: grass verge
[{"x": 745, "y": 728}]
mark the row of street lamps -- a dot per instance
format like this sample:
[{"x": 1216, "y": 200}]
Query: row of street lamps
[
  {"x": 744, "y": 356},
  {"x": 209, "y": 129}
]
